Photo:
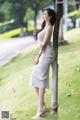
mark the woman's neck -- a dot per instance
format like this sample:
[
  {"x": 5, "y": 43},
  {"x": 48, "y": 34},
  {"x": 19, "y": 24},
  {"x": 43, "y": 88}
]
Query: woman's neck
[{"x": 47, "y": 23}]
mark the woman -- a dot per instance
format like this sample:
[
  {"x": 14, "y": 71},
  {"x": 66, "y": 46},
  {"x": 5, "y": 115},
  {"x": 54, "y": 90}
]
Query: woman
[{"x": 46, "y": 56}]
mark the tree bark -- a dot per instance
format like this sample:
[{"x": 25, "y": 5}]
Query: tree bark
[
  {"x": 35, "y": 20},
  {"x": 54, "y": 99}
]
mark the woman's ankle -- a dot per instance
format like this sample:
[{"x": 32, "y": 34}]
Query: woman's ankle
[{"x": 42, "y": 108}]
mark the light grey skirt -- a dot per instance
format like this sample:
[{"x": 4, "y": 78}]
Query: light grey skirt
[{"x": 40, "y": 74}]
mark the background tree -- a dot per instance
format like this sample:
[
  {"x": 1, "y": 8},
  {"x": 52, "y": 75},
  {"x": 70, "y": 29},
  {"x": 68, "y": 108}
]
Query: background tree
[
  {"x": 5, "y": 8},
  {"x": 37, "y": 5},
  {"x": 18, "y": 9},
  {"x": 61, "y": 35},
  {"x": 77, "y": 3},
  {"x": 2, "y": 17},
  {"x": 28, "y": 16}
]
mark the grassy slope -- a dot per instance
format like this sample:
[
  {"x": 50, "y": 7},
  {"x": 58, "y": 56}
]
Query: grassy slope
[
  {"x": 10, "y": 34},
  {"x": 15, "y": 32},
  {"x": 19, "y": 98}
]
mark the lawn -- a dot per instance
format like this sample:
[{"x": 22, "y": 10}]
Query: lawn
[
  {"x": 17, "y": 96},
  {"x": 10, "y": 33}
]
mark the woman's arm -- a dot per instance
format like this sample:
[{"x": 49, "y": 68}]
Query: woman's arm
[
  {"x": 47, "y": 36},
  {"x": 43, "y": 44},
  {"x": 38, "y": 56},
  {"x": 45, "y": 40}
]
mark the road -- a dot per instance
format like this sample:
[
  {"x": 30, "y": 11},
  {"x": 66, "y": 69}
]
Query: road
[{"x": 11, "y": 47}]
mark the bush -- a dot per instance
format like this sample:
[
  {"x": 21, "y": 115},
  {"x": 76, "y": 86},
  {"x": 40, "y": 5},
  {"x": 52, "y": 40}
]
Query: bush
[
  {"x": 10, "y": 34},
  {"x": 8, "y": 27}
]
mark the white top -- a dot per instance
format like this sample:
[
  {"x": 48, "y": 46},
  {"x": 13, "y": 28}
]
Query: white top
[{"x": 41, "y": 34}]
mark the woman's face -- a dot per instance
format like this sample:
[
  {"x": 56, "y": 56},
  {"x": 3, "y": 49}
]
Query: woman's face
[{"x": 46, "y": 17}]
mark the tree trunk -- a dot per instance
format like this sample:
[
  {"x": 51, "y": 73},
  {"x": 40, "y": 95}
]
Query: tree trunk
[
  {"x": 35, "y": 24},
  {"x": 35, "y": 20},
  {"x": 77, "y": 3},
  {"x": 61, "y": 40},
  {"x": 61, "y": 30},
  {"x": 65, "y": 13},
  {"x": 26, "y": 25},
  {"x": 22, "y": 31},
  {"x": 54, "y": 99}
]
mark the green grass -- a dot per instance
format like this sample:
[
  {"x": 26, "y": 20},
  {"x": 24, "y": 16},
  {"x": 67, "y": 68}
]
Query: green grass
[
  {"x": 73, "y": 13},
  {"x": 11, "y": 33},
  {"x": 20, "y": 99},
  {"x": 14, "y": 33}
]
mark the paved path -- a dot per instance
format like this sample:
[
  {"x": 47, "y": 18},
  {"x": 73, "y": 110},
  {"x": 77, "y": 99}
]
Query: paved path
[{"x": 11, "y": 47}]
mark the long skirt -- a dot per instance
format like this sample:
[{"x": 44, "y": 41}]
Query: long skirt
[{"x": 40, "y": 74}]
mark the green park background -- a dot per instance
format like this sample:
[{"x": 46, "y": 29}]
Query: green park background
[{"x": 16, "y": 18}]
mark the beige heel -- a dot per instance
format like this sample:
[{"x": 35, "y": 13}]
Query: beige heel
[{"x": 39, "y": 115}]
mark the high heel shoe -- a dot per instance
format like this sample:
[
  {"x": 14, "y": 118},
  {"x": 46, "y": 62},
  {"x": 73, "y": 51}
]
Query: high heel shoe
[{"x": 40, "y": 113}]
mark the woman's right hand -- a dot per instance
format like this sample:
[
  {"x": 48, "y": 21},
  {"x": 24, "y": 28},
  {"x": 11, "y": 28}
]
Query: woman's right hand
[
  {"x": 36, "y": 60},
  {"x": 42, "y": 46}
]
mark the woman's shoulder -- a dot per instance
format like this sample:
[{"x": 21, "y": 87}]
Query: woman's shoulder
[{"x": 49, "y": 28}]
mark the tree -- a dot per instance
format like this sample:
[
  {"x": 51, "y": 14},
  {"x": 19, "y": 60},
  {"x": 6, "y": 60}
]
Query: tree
[
  {"x": 2, "y": 17},
  {"x": 5, "y": 8},
  {"x": 18, "y": 9},
  {"x": 28, "y": 16},
  {"x": 37, "y": 5},
  {"x": 77, "y": 3},
  {"x": 15, "y": 9},
  {"x": 61, "y": 40},
  {"x": 59, "y": 12}
]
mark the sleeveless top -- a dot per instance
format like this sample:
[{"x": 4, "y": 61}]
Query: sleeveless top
[{"x": 41, "y": 35}]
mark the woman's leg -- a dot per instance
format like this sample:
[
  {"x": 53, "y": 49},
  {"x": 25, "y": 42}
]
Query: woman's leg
[
  {"x": 41, "y": 99},
  {"x": 37, "y": 91},
  {"x": 41, "y": 109},
  {"x": 40, "y": 94},
  {"x": 41, "y": 91}
]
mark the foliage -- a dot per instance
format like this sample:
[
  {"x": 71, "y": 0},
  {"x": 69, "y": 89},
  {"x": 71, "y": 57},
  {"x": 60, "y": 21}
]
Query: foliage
[
  {"x": 2, "y": 17},
  {"x": 22, "y": 10},
  {"x": 29, "y": 14},
  {"x": 5, "y": 8},
  {"x": 19, "y": 9},
  {"x": 9, "y": 26}
]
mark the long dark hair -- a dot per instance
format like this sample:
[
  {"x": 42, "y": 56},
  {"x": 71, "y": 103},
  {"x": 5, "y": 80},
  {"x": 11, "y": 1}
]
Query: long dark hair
[{"x": 51, "y": 13}]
